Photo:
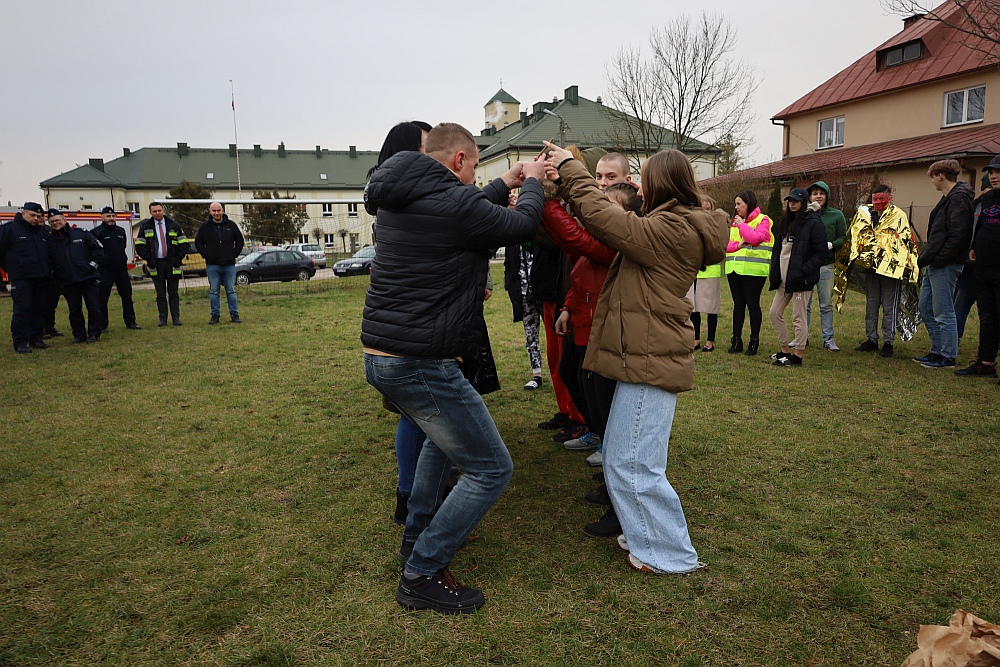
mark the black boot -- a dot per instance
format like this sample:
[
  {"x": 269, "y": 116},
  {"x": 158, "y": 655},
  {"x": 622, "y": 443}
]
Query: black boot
[
  {"x": 399, "y": 517},
  {"x": 752, "y": 347},
  {"x": 737, "y": 345}
]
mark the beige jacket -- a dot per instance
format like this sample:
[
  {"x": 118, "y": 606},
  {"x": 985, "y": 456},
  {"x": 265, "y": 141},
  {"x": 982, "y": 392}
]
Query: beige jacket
[{"x": 642, "y": 330}]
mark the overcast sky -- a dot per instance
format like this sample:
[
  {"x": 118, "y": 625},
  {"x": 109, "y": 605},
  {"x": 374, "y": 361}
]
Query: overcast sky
[{"x": 85, "y": 79}]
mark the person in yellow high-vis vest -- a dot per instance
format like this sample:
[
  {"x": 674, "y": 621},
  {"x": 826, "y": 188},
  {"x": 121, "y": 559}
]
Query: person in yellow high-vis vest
[{"x": 748, "y": 261}]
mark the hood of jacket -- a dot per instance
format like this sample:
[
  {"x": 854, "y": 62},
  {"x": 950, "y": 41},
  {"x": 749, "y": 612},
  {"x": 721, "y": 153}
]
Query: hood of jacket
[
  {"x": 824, "y": 187},
  {"x": 225, "y": 219},
  {"x": 404, "y": 178}
]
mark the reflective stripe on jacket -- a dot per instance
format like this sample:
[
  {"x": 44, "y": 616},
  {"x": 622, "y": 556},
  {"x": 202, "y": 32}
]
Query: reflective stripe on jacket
[{"x": 752, "y": 261}]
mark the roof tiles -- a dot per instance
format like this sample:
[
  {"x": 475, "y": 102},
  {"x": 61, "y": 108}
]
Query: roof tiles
[{"x": 947, "y": 52}]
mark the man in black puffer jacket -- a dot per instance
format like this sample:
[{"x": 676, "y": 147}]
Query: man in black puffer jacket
[
  {"x": 220, "y": 242},
  {"x": 75, "y": 255},
  {"x": 25, "y": 258},
  {"x": 949, "y": 234},
  {"x": 436, "y": 233}
]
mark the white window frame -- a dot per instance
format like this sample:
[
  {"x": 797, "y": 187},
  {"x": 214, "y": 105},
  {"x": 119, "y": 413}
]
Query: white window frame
[
  {"x": 303, "y": 238},
  {"x": 133, "y": 206},
  {"x": 327, "y": 210},
  {"x": 819, "y": 132},
  {"x": 329, "y": 240},
  {"x": 965, "y": 106},
  {"x": 352, "y": 210}
]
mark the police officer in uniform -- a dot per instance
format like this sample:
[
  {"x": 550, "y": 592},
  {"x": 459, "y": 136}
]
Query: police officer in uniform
[
  {"x": 163, "y": 244},
  {"x": 25, "y": 258},
  {"x": 75, "y": 254},
  {"x": 114, "y": 269},
  {"x": 53, "y": 292}
]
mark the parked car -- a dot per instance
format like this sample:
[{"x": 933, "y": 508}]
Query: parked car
[
  {"x": 281, "y": 264},
  {"x": 357, "y": 265},
  {"x": 312, "y": 251}
]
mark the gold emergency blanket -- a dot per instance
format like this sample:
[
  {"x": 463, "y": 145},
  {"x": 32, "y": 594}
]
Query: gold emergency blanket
[{"x": 888, "y": 249}]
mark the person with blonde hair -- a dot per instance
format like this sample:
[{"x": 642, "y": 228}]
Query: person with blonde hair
[{"x": 641, "y": 336}]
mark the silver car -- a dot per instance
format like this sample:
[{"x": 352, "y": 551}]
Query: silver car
[{"x": 312, "y": 251}]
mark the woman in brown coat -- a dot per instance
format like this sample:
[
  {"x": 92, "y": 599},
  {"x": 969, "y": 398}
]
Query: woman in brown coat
[{"x": 641, "y": 337}]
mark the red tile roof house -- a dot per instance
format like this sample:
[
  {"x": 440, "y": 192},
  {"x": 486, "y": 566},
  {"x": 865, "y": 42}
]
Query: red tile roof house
[{"x": 931, "y": 92}]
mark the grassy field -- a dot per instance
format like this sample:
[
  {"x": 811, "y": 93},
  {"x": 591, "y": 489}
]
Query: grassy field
[{"x": 222, "y": 496}]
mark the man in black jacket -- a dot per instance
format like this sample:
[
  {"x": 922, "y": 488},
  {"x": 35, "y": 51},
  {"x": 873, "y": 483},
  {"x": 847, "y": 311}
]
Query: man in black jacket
[
  {"x": 25, "y": 258},
  {"x": 113, "y": 269},
  {"x": 162, "y": 244},
  {"x": 75, "y": 255},
  {"x": 436, "y": 234},
  {"x": 949, "y": 232},
  {"x": 220, "y": 241}
]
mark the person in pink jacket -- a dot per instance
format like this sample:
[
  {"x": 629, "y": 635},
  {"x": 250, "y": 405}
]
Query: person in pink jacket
[{"x": 748, "y": 259}]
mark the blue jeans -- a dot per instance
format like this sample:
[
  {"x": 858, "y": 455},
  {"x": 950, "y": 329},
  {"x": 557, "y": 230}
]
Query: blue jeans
[
  {"x": 825, "y": 290},
  {"x": 937, "y": 308},
  {"x": 225, "y": 274},
  {"x": 436, "y": 397},
  {"x": 409, "y": 442},
  {"x": 635, "y": 465}
]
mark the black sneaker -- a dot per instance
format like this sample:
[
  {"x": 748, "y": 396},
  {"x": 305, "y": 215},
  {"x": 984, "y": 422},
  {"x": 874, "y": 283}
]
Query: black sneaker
[
  {"x": 600, "y": 496},
  {"x": 235, "y": 317},
  {"x": 868, "y": 346},
  {"x": 570, "y": 432},
  {"x": 930, "y": 356},
  {"x": 606, "y": 526},
  {"x": 40, "y": 345},
  {"x": 886, "y": 350},
  {"x": 559, "y": 420},
  {"x": 214, "y": 319},
  {"x": 92, "y": 339},
  {"x": 23, "y": 348},
  {"x": 789, "y": 360},
  {"x": 79, "y": 339},
  {"x": 978, "y": 369},
  {"x": 133, "y": 326},
  {"x": 440, "y": 592}
]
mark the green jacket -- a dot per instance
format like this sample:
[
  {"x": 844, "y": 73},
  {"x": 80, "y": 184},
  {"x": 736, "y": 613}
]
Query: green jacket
[{"x": 834, "y": 221}]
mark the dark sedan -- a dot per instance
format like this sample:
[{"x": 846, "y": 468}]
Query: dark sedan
[
  {"x": 284, "y": 265},
  {"x": 359, "y": 264}
]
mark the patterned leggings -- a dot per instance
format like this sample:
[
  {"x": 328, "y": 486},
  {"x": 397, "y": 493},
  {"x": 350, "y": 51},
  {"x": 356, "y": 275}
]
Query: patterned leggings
[{"x": 531, "y": 320}]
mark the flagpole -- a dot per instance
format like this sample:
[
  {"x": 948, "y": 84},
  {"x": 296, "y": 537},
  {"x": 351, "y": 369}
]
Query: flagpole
[{"x": 236, "y": 138}]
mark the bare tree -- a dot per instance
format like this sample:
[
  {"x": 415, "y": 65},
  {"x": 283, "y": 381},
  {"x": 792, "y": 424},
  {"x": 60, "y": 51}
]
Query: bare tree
[
  {"x": 688, "y": 93},
  {"x": 976, "y": 22}
]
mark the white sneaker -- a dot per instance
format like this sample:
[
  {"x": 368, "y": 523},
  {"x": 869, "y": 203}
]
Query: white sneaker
[
  {"x": 596, "y": 460},
  {"x": 830, "y": 345},
  {"x": 622, "y": 542},
  {"x": 588, "y": 440}
]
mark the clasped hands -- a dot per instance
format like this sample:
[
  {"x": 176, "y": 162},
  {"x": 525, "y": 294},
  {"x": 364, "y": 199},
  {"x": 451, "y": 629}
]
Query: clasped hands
[{"x": 541, "y": 168}]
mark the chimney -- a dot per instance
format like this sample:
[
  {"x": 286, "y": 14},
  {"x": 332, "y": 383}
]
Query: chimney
[
  {"x": 599, "y": 101},
  {"x": 572, "y": 95},
  {"x": 232, "y": 150},
  {"x": 910, "y": 20},
  {"x": 353, "y": 151},
  {"x": 97, "y": 163},
  {"x": 524, "y": 119},
  {"x": 281, "y": 149},
  {"x": 319, "y": 152},
  {"x": 257, "y": 152},
  {"x": 126, "y": 152},
  {"x": 536, "y": 110},
  {"x": 182, "y": 149}
]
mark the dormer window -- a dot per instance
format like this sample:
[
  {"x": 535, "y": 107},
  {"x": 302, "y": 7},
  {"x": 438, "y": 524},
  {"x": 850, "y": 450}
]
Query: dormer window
[{"x": 903, "y": 53}]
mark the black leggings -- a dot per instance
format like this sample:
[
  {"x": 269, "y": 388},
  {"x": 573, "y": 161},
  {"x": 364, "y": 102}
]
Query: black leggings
[
  {"x": 713, "y": 322},
  {"x": 746, "y": 297}
]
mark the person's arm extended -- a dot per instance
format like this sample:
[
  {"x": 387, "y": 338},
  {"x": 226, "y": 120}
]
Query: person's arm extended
[
  {"x": 571, "y": 237},
  {"x": 488, "y": 225}
]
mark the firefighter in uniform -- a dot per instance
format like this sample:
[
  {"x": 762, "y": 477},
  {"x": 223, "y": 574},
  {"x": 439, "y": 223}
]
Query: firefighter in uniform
[
  {"x": 163, "y": 244},
  {"x": 114, "y": 269},
  {"x": 25, "y": 258},
  {"x": 74, "y": 254}
]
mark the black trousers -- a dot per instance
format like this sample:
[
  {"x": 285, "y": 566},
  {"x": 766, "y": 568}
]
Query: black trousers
[
  {"x": 600, "y": 393},
  {"x": 31, "y": 298},
  {"x": 165, "y": 282},
  {"x": 78, "y": 294},
  {"x": 746, "y": 298},
  {"x": 52, "y": 294},
  {"x": 119, "y": 278},
  {"x": 988, "y": 300},
  {"x": 571, "y": 373}
]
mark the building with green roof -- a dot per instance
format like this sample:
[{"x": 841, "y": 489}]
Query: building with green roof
[
  {"x": 586, "y": 123},
  {"x": 136, "y": 178}
]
